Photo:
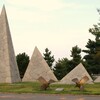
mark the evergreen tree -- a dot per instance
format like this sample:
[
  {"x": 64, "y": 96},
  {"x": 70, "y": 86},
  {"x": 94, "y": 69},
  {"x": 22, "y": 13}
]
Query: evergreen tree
[
  {"x": 49, "y": 59},
  {"x": 76, "y": 57},
  {"x": 64, "y": 66},
  {"x": 22, "y": 62},
  {"x": 92, "y": 59},
  {"x": 60, "y": 68}
]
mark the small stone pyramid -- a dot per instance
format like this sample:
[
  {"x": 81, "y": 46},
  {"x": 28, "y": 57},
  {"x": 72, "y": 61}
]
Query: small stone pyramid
[
  {"x": 78, "y": 72},
  {"x": 9, "y": 72},
  {"x": 38, "y": 67},
  {"x": 97, "y": 80}
]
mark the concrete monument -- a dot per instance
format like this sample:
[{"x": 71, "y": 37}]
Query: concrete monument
[
  {"x": 9, "y": 72},
  {"x": 38, "y": 67},
  {"x": 78, "y": 72},
  {"x": 97, "y": 80}
]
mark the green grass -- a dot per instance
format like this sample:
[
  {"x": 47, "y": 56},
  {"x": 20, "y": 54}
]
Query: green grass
[{"x": 30, "y": 87}]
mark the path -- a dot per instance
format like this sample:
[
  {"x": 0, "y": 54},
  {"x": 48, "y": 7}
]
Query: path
[{"x": 10, "y": 96}]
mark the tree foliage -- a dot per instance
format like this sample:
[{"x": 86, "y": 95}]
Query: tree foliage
[
  {"x": 49, "y": 59},
  {"x": 64, "y": 66},
  {"x": 22, "y": 62},
  {"x": 76, "y": 57},
  {"x": 60, "y": 68},
  {"x": 92, "y": 57}
]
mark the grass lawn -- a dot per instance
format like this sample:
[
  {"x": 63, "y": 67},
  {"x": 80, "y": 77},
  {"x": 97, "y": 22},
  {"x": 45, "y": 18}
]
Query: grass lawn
[{"x": 30, "y": 87}]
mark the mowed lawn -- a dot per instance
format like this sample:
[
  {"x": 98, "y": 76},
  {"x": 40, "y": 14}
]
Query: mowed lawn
[{"x": 34, "y": 87}]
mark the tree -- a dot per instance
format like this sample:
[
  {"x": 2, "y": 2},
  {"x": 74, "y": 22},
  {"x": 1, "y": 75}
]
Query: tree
[
  {"x": 76, "y": 57},
  {"x": 92, "y": 57},
  {"x": 64, "y": 66},
  {"x": 49, "y": 59},
  {"x": 22, "y": 62},
  {"x": 60, "y": 68}
]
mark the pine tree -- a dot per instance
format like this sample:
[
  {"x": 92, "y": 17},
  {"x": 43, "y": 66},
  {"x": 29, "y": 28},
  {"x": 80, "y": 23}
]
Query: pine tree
[
  {"x": 22, "y": 62},
  {"x": 76, "y": 57},
  {"x": 49, "y": 59},
  {"x": 64, "y": 66},
  {"x": 61, "y": 68},
  {"x": 92, "y": 59}
]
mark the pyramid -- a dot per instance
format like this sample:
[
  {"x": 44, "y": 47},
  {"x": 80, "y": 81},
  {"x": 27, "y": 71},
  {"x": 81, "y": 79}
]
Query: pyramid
[
  {"x": 78, "y": 72},
  {"x": 9, "y": 72},
  {"x": 97, "y": 80},
  {"x": 38, "y": 67}
]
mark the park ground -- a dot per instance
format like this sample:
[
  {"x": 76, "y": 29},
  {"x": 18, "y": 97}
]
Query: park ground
[{"x": 34, "y": 88}]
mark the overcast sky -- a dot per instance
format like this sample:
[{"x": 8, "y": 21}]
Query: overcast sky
[{"x": 57, "y": 25}]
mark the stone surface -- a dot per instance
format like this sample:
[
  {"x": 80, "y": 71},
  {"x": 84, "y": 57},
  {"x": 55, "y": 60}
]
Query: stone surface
[
  {"x": 78, "y": 72},
  {"x": 38, "y": 67},
  {"x": 9, "y": 72},
  {"x": 97, "y": 80},
  {"x": 59, "y": 89}
]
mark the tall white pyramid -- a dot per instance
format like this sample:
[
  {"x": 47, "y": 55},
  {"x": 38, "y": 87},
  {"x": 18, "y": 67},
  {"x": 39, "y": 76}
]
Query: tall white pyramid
[
  {"x": 38, "y": 67},
  {"x": 9, "y": 72},
  {"x": 78, "y": 72},
  {"x": 97, "y": 80}
]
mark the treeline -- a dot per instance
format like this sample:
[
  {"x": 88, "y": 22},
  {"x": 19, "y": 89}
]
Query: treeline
[{"x": 91, "y": 59}]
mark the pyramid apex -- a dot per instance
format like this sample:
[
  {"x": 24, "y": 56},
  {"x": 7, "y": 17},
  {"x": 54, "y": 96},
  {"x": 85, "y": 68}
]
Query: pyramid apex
[
  {"x": 3, "y": 12},
  {"x": 80, "y": 64},
  {"x": 3, "y": 8},
  {"x": 36, "y": 47},
  {"x": 36, "y": 50}
]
